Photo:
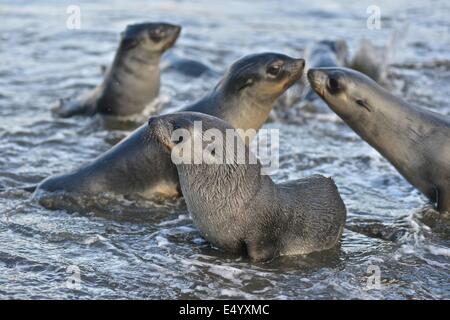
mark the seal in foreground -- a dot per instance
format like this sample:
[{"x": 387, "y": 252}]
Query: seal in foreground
[{"x": 132, "y": 82}]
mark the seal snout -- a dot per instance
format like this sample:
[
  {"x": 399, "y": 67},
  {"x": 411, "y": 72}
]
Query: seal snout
[
  {"x": 317, "y": 78},
  {"x": 159, "y": 131},
  {"x": 175, "y": 30}
]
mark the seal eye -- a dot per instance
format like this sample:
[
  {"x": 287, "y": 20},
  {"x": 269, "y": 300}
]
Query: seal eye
[
  {"x": 333, "y": 85},
  {"x": 274, "y": 69}
]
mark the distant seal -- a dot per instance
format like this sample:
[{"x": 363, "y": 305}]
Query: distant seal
[
  {"x": 414, "y": 140},
  {"x": 325, "y": 54},
  {"x": 243, "y": 97},
  {"x": 241, "y": 211},
  {"x": 133, "y": 80}
]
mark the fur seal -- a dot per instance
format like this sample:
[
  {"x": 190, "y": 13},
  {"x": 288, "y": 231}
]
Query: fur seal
[
  {"x": 240, "y": 210},
  {"x": 132, "y": 82},
  {"x": 244, "y": 97},
  {"x": 414, "y": 140},
  {"x": 185, "y": 66}
]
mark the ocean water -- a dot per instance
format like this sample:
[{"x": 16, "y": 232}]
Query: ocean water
[{"x": 147, "y": 250}]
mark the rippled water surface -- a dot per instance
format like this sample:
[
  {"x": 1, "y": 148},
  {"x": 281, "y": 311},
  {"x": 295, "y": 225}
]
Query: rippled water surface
[{"x": 138, "y": 249}]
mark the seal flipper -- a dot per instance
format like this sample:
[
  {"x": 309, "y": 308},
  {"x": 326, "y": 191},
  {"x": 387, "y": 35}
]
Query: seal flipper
[
  {"x": 442, "y": 200},
  {"x": 261, "y": 250}
]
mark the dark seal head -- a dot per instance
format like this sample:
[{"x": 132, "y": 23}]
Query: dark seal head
[
  {"x": 151, "y": 37},
  {"x": 237, "y": 208},
  {"x": 253, "y": 83},
  {"x": 414, "y": 140},
  {"x": 132, "y": 82}
]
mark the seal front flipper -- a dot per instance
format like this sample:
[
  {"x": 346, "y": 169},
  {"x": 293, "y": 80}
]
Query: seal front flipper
[
  {"x": 261, "y": 250},
  {"x": 81, "y": 106}
]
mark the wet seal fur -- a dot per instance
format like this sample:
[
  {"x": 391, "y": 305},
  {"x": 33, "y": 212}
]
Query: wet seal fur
[
  {"x": 325, "y": 53},
  {"x": 133, "y": 80},
  {"x": 241, "y": 211},
  {"x": 137, "y": 165},
  {"x": 415, "y": 141}
]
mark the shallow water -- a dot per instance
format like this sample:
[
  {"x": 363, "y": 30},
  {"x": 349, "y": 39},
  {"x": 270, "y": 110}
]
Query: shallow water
[{"x": 138, "y": 249}]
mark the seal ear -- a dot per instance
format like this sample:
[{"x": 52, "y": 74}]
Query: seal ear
[{"x": 261, "y": 250}]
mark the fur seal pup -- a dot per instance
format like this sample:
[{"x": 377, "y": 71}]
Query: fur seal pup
[
  {"x": 415, "y": 141},
  {"x": 185, "y": 66},
  {"x": 325, "y": 53},
  {"x": 237, "y": 208},
  {"x": 244, "y": 97},
  {"x": 132, "y": 82}
]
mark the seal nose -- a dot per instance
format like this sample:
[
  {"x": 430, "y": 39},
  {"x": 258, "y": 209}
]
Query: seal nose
[{"x": 310, "y": 75}]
